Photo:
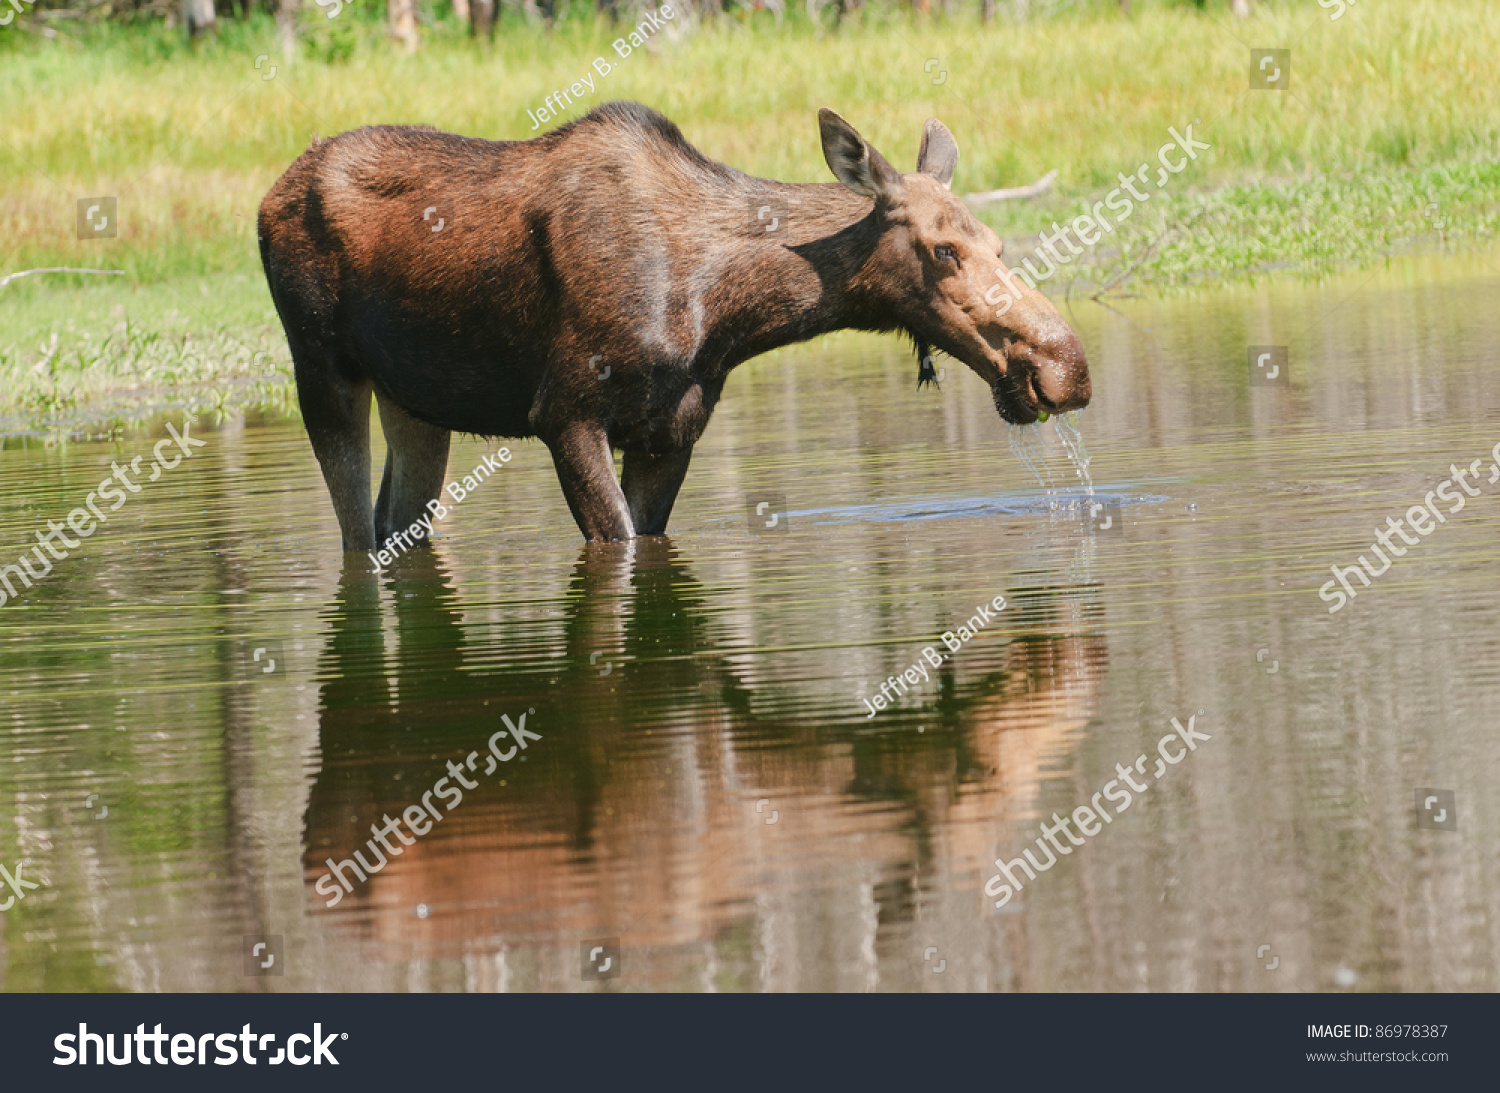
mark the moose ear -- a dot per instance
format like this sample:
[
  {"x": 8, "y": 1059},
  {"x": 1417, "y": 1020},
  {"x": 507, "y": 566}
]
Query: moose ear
[
  {"x": 939, "y": 153},
  {"x": 852, "y": 160}
]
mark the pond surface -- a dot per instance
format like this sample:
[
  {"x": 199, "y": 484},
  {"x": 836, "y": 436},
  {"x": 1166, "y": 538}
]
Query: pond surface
[{"x": 199, "y": 708}]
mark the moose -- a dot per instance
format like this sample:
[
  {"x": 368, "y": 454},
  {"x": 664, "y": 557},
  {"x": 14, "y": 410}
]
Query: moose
[{"x": 594, "y": 286}]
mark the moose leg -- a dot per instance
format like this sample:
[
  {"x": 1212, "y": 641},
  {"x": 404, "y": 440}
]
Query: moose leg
[
  {"x": 586, "y": 471},
  {"x": 650, "y": 484},
  {"x": 416, "y": 460},
  {"x": 337, "y": 415}
]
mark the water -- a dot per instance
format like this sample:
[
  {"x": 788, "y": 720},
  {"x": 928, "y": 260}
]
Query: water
[
  {"x": 1038, "y": 452},
  {"x": 708, "y": 787}
]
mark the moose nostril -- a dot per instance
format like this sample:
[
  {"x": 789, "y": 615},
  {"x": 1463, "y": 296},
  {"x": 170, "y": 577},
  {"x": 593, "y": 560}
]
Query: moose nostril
[{"x": 1058, "y": 375}]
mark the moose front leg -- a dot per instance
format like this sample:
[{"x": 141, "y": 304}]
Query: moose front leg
[
  {"x": 586, "y": 471},
  {"x": 650, "y": 484}
]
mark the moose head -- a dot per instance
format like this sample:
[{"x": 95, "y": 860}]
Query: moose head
[{"x": 939, "y": 271}]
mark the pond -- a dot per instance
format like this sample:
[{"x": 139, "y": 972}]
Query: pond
[{"x": 206, "y": 714}]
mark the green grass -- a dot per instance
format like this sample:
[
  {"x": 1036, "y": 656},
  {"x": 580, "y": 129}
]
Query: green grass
[
  {"x": 1390, "y": 113},
  {"x": 114, "y": 352}
]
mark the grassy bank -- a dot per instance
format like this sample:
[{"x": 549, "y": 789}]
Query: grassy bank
[{"x": 1387, "y": 138}]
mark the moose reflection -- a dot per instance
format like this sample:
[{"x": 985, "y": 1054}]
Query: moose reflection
[{"x": 663, "y": 795}]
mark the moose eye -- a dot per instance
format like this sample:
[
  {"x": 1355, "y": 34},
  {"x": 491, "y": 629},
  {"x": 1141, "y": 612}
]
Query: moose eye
[{"x": 945, "y": 253}]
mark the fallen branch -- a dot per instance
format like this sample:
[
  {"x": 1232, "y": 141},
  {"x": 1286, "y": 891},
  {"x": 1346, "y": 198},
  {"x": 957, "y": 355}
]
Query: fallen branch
[
  {"x": 989, "y": 197},
  {"x": 58, "y": 269}
]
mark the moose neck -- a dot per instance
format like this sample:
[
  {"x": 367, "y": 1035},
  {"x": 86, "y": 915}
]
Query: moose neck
[{"x": 813, "y": 273}]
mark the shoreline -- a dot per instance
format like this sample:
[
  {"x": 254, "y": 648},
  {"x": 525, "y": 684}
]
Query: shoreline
[{"x": 261, "y": 381}]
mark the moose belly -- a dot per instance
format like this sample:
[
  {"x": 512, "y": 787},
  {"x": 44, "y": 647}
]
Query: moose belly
[{"x": 468, "y": 376}]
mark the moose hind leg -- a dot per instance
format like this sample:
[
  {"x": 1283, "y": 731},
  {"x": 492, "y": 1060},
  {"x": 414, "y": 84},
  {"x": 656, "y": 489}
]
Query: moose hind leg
[
  {"x": 650, "y": 484},
  {"x": 416, "y": 463},
  {"x": 337, "y": 415}
]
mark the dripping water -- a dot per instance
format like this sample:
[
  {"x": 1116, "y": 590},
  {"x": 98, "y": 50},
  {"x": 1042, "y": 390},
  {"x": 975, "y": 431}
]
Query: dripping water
[
  {"x": 1037, "y": 449},
  {"x": 1070, "y": 436}
]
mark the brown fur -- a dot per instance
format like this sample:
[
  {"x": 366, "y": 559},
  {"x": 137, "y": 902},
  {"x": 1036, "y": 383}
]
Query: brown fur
[{"x": 609, "y": 243}]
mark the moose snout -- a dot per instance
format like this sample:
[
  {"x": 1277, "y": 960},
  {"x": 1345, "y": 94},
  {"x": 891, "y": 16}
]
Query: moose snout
[{"x": 1056, "y": 369}]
